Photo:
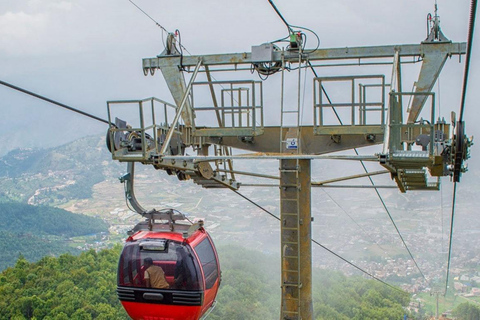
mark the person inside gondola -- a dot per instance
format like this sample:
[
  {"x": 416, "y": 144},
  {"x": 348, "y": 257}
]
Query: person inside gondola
[
  {"x": 154, "y": 275},
  {"x": 185, "y": 277}
]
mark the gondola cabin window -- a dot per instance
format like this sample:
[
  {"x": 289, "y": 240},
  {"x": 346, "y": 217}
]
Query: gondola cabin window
[
  {"x": 164, "y": 254},
  {"x": 208, "y": 260}
]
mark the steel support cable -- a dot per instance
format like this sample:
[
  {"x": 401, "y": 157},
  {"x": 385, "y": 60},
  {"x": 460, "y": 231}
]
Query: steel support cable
[
  {"x": 395, "y": 225},
  {"x": 326, "y": 95},
  {"x": 322, "y": 246},
  {"x": 391, "y": 218},
  {"x": 255, "y": 204},
  {"x": 471, "y": 29},
  {"x": 351, "y": 218},
  {"x": 451, "y": 237},
  {"x": 290, "y": 30},
  {"x": 280, "y": 15},
  {"x": 158, "y": 24},
  {"x": 442, "y": 248},
  {"x": 371, "y": 180},
  {"x": 53, "y": 102},
  {"x": 356, "y": 267},
  {"x": 338, "y": 118}
]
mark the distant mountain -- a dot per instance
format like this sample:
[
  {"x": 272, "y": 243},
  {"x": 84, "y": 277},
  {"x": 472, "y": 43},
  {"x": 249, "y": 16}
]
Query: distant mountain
[
  {"x": 37, "y": 231},
  {"x": 19, "y": 161},
  {"x": 44, "y": 220},
  {"x": 57, "y": 175}
]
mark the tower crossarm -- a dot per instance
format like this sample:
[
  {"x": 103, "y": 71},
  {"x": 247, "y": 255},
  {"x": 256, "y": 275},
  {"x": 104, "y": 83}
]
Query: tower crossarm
[
  {"x": 372, "y": 52},
  {"x": 432, "y": 55}
]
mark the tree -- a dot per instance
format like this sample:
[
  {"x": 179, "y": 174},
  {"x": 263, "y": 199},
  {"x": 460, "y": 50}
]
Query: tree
[{"x": 467, "y": 311}]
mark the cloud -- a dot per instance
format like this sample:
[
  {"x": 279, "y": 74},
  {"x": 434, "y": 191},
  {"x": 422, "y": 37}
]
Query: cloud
[
  {"x": 60, "y": 5},
  {"x": 21, "y": 32},
  {"x": 50, "y": 5},
  {"x": 21, "y": 25},
  {"x": 33, "y": 27}
]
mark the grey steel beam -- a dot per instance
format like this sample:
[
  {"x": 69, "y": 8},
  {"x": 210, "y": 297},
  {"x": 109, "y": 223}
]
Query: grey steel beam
[
  {"x": 431, "y": 67},
  {"x": 175, "y": 80},
  {"x": 252, "y": 174},
  {"x": 263, "y": 185},
  {"x": 265, "y": 156},
  {"x": 354, "y": 186},
  {"x": 407, "y": 50},
  {"x": 368, "y": 174},
  {"x": 311, "y": 143},
  {"x": 180, "y": 108}
]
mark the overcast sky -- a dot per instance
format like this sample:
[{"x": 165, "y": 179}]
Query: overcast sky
[{"x": 83, "y": 53}]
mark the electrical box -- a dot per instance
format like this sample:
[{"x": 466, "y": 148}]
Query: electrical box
[
  {"x": 295, "y": 40},
  {"x": 262, "y": 53}
]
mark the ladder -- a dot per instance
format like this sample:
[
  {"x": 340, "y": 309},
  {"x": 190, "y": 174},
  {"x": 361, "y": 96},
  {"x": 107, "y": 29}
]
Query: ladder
[
  {"x": 290, "y": 188},
  {"x": 290, "y": 134},
  {"x": 290, "y": 238}
]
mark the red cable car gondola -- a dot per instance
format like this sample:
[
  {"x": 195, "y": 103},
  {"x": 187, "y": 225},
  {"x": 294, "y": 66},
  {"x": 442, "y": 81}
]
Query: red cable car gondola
[{"x": 168, "y": 270}]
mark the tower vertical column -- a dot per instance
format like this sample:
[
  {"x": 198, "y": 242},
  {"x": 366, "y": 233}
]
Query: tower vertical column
[{"x": 296, "y": 246}]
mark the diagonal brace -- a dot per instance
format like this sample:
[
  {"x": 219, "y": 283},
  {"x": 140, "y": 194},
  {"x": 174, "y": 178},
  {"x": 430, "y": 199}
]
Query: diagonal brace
[{"x": 180, "y": 109}]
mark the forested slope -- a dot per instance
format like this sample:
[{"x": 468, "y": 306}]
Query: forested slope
[
  {"x": 68, "y": 287},
  {"x": 38, "y": 231},
  {"x": 83, "y": 287}
]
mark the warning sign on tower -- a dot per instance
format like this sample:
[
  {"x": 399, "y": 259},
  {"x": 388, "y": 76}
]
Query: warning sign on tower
[{"x": 292, "y": 143}]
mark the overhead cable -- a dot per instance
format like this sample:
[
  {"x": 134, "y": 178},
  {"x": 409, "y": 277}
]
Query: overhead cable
[
  {"x": 320, "y": 245},
  {"x": 356, "y": 267},
  {"x": 281, "y": 16},
  {"x": 259, "y": 206},
  {"x": 471, "y": 29},
  {"x": 53, "y": 102},
  {"x": 451, "y": 237},
  {"x": 156, "y": 22},
  {"x": 290, "y": 30},
  {"x": 351, "y": 218},
  {"x": 391, "y": 218},
  {"x": 395, "y": 225}
]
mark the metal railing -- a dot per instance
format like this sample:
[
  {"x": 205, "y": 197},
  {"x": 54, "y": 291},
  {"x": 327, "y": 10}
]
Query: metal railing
[
  {"x": 360, "y": 106},
  {"x": 240, "y": 111},
  {"x": 151, "y": 123},
  {"x": 402, "y": 135}
]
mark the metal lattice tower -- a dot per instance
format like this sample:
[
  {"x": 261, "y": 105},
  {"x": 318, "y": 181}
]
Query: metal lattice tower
[{"x": 412, "y": 153}]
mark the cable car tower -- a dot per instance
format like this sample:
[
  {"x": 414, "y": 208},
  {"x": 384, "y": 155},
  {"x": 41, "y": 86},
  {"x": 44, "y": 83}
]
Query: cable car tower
[{"x": 417, "y": 149}]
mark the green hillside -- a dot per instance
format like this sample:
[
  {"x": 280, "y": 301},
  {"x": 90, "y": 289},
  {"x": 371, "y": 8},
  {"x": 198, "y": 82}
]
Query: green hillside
[
  {"x": 47, "y": 220},
  {"x": 37, "y": 231},
  {"x": 68, "y": 287},
  {"x": 83, "y": 287},
  {"x": 19, "y": 161},
  {"x": 57, "y": 175}
]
